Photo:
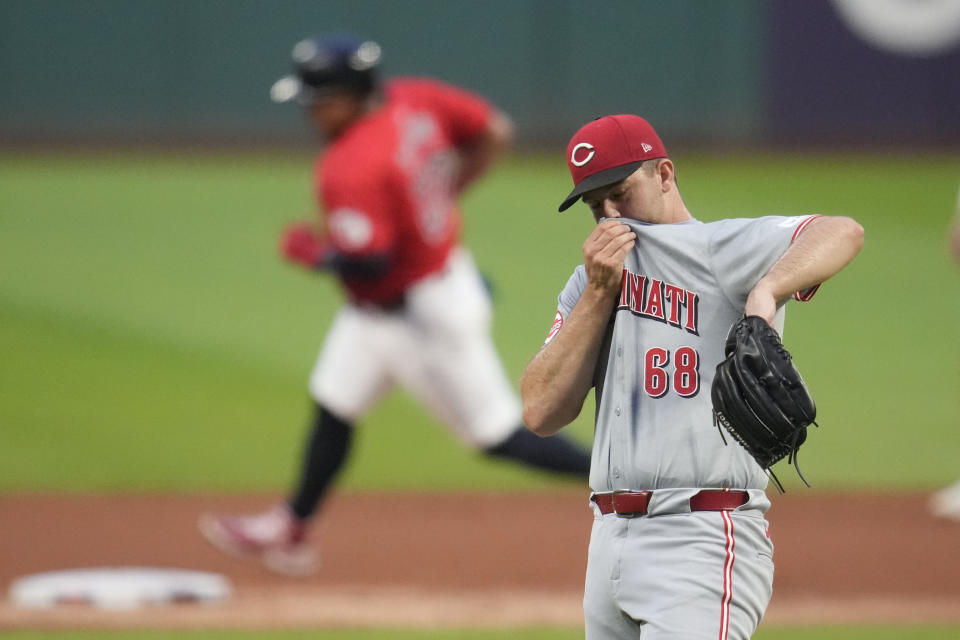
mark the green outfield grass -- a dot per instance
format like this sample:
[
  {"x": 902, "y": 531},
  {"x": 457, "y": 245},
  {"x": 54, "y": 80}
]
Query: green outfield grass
[
  {"x": 805, "y": 633},
  {"x": 152, "y": 339}
]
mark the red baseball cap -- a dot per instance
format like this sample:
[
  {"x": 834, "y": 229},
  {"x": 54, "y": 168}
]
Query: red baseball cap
[{"x": 608, "y": 150}]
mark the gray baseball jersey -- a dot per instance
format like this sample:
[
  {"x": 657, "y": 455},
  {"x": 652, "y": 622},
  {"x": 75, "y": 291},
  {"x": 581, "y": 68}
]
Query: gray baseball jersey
[
  {"x": 684, "y": 285},
  {"x": 677, "y": 573}
]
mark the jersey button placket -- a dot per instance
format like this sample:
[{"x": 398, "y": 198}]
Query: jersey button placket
[{"x": 623, "y": 380}]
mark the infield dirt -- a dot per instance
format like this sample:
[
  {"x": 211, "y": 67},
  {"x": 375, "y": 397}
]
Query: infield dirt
[{"x": 467, "y": 560}]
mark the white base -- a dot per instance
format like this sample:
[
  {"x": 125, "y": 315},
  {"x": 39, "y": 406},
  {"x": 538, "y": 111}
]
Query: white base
[{"x": 118, "y": 587}]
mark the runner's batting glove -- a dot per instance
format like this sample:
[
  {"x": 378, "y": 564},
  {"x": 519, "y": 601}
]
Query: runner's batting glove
[
  {"x": 299, "y": 244},
  {"x": 759, "y": 396}
]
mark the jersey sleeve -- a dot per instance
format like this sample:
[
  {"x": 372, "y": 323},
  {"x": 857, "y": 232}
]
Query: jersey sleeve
[
  {"x": 571, "y": 293},
  {"x": 357, "y": 213},
  {"x": 567, "y": 299},
  {"x": 743, "y": 250}
]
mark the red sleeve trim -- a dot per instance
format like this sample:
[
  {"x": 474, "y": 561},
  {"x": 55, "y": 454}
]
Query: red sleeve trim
[
  {"x": 807, "y": 294},
  {"x": 803, "y": 225}
]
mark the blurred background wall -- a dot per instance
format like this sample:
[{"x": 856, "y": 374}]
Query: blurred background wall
[{"x": 737, "y": 72}]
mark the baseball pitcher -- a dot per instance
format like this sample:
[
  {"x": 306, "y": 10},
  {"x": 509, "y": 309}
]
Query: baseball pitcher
[{"x": 680, "y": 546}]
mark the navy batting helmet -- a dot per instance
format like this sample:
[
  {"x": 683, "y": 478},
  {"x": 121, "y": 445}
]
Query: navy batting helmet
[{"x": 322, "y": 64}]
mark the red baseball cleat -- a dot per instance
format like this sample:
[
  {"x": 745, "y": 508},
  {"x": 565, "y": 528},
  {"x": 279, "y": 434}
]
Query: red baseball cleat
[{"x": 276, "y": 537}]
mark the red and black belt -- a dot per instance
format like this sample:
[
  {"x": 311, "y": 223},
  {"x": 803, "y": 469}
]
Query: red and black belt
[{"x": 628, "y": 504}]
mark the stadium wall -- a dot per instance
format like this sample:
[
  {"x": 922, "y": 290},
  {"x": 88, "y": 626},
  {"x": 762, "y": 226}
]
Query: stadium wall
[{"x": 733, "y": 72}]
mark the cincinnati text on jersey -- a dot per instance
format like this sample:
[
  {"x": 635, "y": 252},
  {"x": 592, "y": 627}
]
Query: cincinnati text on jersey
[{"x": 658, "y": 300}]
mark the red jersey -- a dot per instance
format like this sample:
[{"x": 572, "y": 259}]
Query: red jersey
[{"x": 388, "y": 184}]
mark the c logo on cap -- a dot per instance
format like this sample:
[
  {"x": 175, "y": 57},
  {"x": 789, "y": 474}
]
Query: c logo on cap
[{"x": 586, "y": 159}]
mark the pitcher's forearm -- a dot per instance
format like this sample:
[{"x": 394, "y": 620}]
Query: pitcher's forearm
[
  {"x": 825, "y": 247},
  {"x": 557, "y": 380}
]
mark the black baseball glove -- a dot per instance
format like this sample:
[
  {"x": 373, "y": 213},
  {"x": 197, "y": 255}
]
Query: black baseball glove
[{"x": 759, "y": 396}]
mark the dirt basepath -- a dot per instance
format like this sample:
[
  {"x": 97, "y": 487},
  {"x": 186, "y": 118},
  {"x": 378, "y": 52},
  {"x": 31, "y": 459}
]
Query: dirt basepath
[{"x": 468, "y": 560}]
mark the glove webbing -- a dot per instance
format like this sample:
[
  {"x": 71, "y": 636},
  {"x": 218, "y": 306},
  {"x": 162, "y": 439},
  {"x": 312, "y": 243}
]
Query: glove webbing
[{"x": 719, "y": 418}]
